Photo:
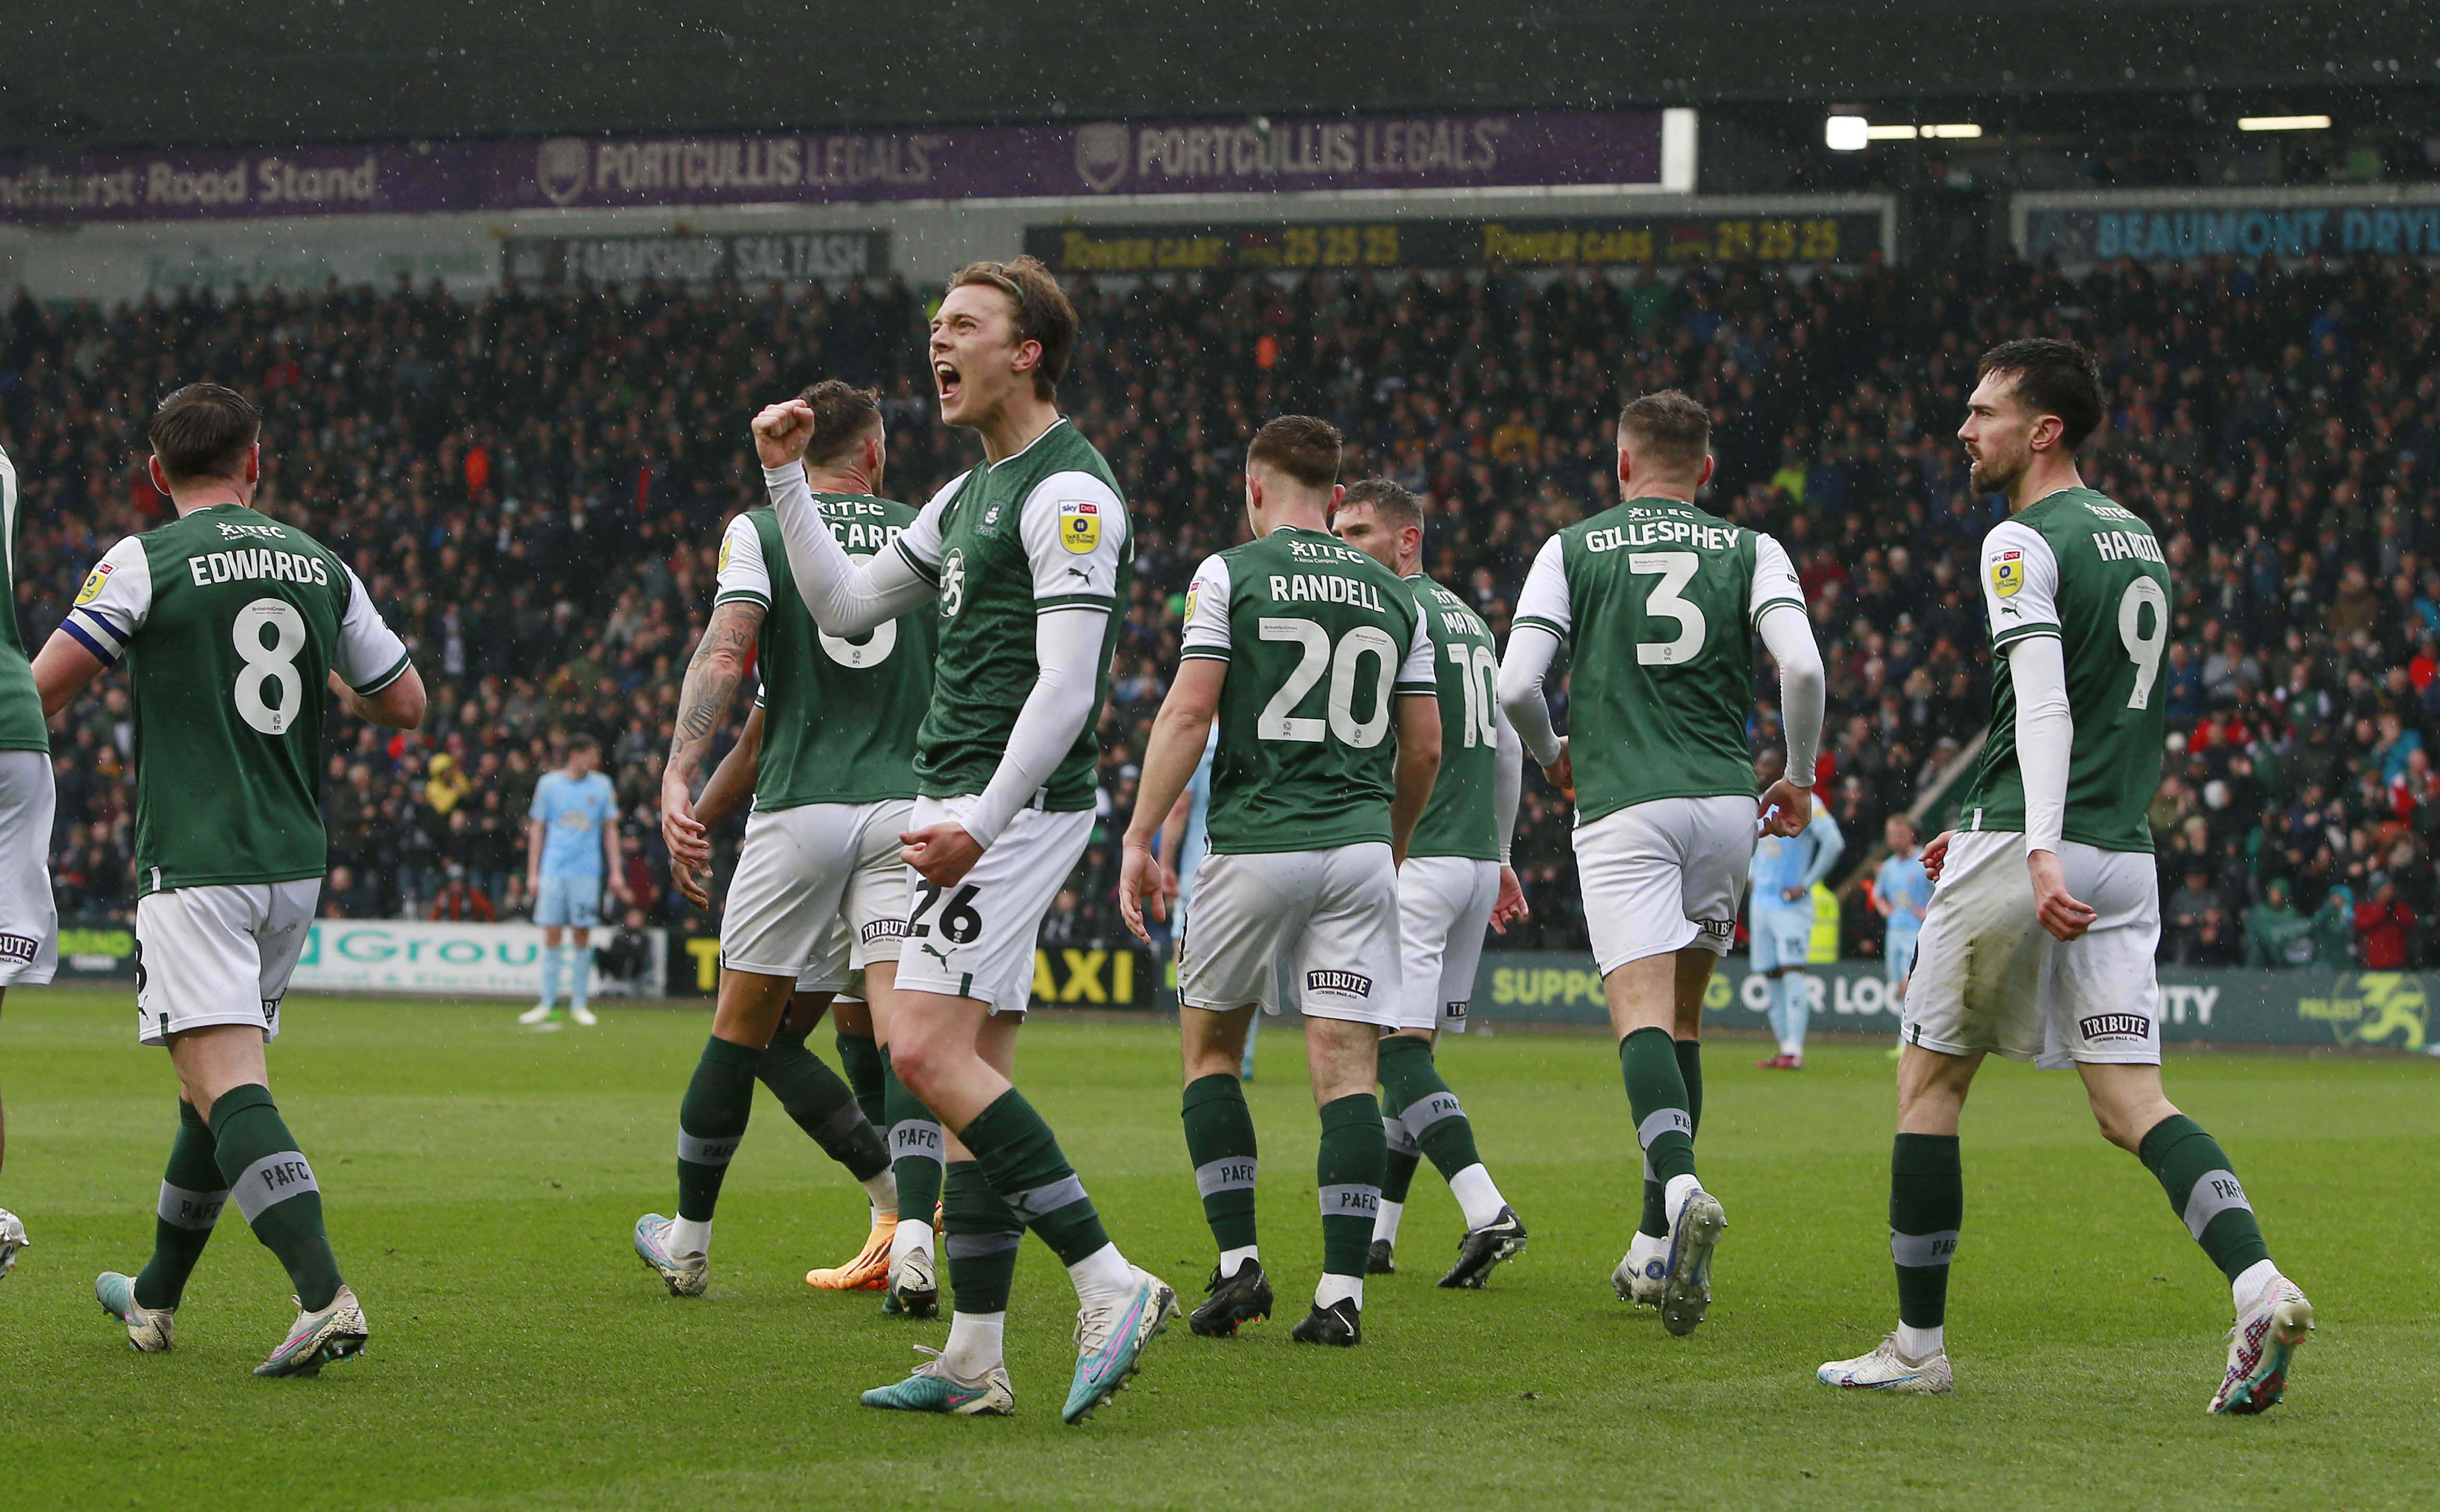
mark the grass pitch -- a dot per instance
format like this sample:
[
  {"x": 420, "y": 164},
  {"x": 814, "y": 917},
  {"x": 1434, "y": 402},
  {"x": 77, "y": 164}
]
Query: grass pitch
[{"x": 482, "y": 1183}]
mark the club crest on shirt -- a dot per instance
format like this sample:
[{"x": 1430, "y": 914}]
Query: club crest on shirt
[
  {"x": 93, "y": 582},
  {"x": 2008, "y": 573},
  {"x": 1080, "y": 525}
]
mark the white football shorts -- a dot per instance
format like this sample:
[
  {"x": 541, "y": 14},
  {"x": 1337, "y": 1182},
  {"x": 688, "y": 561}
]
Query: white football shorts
[
  {"x": 1329, "y": 917},
  {"x": 977, "y": 939},
  {"x": 1443, "y": 907},
  {"x": 219, "y": 955},
  {"x": 29, "y": 918},
  {"x": 801, "y": 871},
  {"x": 1988, "y": 976},
  {"x": 1659, "y": 877}
]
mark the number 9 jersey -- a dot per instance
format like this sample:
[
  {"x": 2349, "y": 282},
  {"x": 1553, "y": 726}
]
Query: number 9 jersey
[
  {"x": 2077, "y": 566},
  {"x": 229, "y": 624}
]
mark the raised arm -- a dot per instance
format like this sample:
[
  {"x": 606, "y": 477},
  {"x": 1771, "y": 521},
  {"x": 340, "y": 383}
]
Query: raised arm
[{"x": 845, "y": 598}]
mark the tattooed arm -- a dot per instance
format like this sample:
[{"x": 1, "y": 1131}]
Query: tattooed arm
[{"x": 710, "y": 689}]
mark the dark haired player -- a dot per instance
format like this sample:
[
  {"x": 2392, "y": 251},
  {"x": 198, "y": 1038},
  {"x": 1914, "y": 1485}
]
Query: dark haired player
[
  {"x": 229, "y": 625},
  {"x": 819, "y": 888},
  {"x": 1660, "y": 601},
  {"x": 1317, "y": 664},
  {"x": 1027, "y": 559},
  {"x": 2039, "y": 939}
]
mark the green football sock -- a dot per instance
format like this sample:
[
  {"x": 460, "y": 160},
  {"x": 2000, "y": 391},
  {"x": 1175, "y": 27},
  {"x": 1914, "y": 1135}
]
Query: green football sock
[
  {"x": 1220, "y": 1142},
  {"x": 1020, "y": 1157},
  {"x": 1434, "y": 1116},
  {"x": 2204, "y": 1192},
  {"x": 1404, "y": 1156},
  {"x": 1348, "y": 1172},
  {"x": 823, "y": 1106},
  {"x": 1927, "y": 1207},
  {"x": 860, "y": 1059},
  {"x": 192, "y": 1191},
  {"x": 1655, "y": 1204},
  {"x": 980, "y": 1240},
  {"x": 712, "y": 1123},
  {"x": 1656, "y": 1094},
  {"x": 915, "y": 1147},
  {"x": 272, "y": 1185}
]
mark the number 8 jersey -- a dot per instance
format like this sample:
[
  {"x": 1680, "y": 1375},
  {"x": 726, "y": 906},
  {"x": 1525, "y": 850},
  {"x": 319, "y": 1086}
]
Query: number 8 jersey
[
  {"x": 2074, "y": 566},
  {"x": 1319, "y": 639},
  {"x": 229, "y": 624},
  {"x": 1659, "y": 600}
]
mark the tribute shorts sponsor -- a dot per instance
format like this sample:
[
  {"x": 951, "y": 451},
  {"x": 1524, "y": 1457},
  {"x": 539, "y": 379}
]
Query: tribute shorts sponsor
[
  {"x": 1444, "y": 905},
  {"x": 1329, "y": 917},
  {"x": 817, "y": 886},
  {"x": 1663, "y": 876},
  {"x": 1988, "y": 976},
  {"x": 219, "y": 955},
  {"x": 976, "y": 939},
  {"x": 29, "y": 920}
]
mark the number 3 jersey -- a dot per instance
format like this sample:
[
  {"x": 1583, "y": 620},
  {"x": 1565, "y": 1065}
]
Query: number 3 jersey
[
  {"x": 839, "y": 713},
  {"x": 229, "y": 624},
  {"x": 1319, "y": 639},
  {"x": 1659, "y": 600},
  {"x": 2074, "y": 566}
]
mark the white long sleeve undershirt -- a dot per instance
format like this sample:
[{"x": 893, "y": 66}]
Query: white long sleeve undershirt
[
  {"x": 1530, "y": 650},
  {"x": 1803, "y": 688},
  {"x": 1067, "y": 648},
  {"x": 2045, "y": 735},
  {"x": 845, "y": 598},
  {"x": 1507, "y": 781}
]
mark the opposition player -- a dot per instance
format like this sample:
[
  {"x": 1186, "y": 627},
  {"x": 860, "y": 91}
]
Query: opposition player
[
  {"x": 2046, "y": 908},
  {"x": 571, "y": 846},
  {"x": 1455, "y": 882},
  {"x": 29, "y": 922},
  {"x": 1027, "y": 558},
  {"x": 819, "y": 888},
  {"x": 229, "y": 625},
  {"x": 1901, "y": 892},
  {"x": 1318, "y": 665},
  {"x": 1783, "y": 873},
  {"x": 1656, "y": 597}
]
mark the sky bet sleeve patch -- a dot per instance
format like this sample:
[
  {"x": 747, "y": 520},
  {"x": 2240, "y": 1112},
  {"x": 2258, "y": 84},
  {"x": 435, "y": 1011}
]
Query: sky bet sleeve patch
[
  {"x": 93, "y": 582},
  {"x": 2008, "y": 573},
  {"x": 1080, "y": 526}
]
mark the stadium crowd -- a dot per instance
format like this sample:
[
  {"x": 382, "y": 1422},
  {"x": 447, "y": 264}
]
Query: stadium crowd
[{"x": 534, "y": 485}]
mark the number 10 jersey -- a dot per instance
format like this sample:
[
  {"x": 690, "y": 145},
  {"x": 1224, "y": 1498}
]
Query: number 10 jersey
[
  {"x": 2077, "y": 566},
  {"x": 1659, "y": 600},
  {"x": 230, "y": 623}
]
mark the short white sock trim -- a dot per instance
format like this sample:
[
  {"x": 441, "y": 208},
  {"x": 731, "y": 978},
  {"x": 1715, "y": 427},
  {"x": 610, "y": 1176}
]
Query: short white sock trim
[
  {"x": 1476, "y": 1194},
  {"x": 883, "y": 1191},
  {"x": 1791, "y": 1046},
  {"x": 1102, "y": 1276},
  {"x": 2250, "y": 1281},
  {"x": 974, "y": 1344},
  {"x": 1332, "y": 1289},
  {"x": 913, "y": 1234},
  {"x": 689, "y": 1237},
  {"x": 1921, "y": 1343},
  {"x": 1230, "y": 1260},
  {"x": 1385, "y": 1220},
  {"x": 1675, "y": 1197}
]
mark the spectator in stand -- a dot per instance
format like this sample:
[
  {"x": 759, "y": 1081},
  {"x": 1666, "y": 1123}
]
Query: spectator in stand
[
  {"x": 2275, "y": 934},
  {"x": 461, "y": 902},
  {"x": 344, "y": 897},
  {"x": 2384, "y": 927},
  {"x": 2191, "y": 909}
]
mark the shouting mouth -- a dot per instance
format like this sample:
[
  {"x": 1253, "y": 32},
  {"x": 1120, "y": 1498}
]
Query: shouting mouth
[{"x": 945, "y": 379}]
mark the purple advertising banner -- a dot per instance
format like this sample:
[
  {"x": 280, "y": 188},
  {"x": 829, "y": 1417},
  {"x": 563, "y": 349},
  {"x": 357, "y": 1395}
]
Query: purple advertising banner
[{"x": 1288, "y": 153}]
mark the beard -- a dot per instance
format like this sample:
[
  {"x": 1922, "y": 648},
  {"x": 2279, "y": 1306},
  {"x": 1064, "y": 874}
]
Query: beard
[{"x": 1991, "y": 475}]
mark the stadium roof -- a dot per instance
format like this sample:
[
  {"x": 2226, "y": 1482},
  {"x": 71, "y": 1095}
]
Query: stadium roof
[{"x": 274, "y": 71}]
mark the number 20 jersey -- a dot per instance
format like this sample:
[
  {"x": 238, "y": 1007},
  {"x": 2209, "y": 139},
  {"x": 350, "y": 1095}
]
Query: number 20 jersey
[
  {"x": 1658, "y": 599},
  {"x": 1320, "y": 640},
  {"x": 2077, "y": 566},
  {"x": 229, "y": 624}
]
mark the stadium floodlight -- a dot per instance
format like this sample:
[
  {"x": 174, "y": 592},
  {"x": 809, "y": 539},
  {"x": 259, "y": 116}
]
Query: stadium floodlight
[
  {"x": 1890, "y": 134},
  {"x": 2283, "y": 123},
  {"x": 1964, "y": 130},
  {"x": 1846, "y": 133}
]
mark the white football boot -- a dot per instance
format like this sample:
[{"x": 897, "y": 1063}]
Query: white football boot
[
  {"x": 538, "y": 1016},
  {"x": 149, "y": 1329},
  {"x": 585, "y": 1018},
  {"x": 1886, "y": 1370},
  {"x": 1644, "y": 1276},
  {"x": 2260, "y": 1344}
]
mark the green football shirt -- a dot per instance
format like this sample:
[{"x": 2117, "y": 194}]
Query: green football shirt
[
  {"x": 1318, "y": 639},
  {"x": 229, "y": 624},
  {"x": 2077, "y": 566},
  {"x": 1043, "y": 530},
  {"x": 1659, "y": 600},
  {"x": 839, "y": 713},
  {"x": 20, "y": 707},
  {"x": 1458, "y": 821}
]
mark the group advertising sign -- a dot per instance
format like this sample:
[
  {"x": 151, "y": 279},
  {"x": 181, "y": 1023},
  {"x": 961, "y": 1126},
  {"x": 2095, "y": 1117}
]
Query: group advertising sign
[
  {"x": 1336, "y": 153},
  {"x": 456, "y": 960}
]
